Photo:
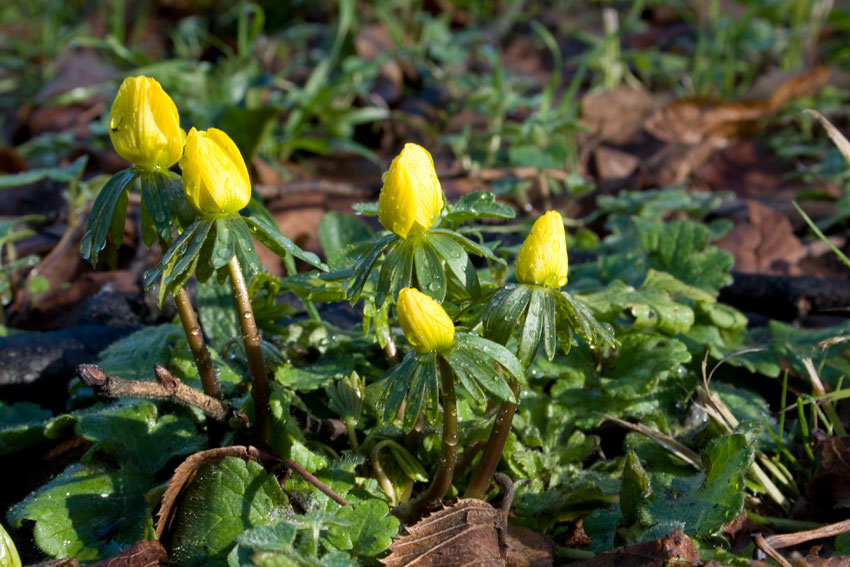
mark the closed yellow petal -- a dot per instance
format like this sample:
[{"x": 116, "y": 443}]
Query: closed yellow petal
[
  {"x": 215, "y": 178},
  {"x": 411, "y": 198},
  {"x": 144, "y": 125},
  {"x": 425, "y": 323},
  {"x": 542, "y": 259}
]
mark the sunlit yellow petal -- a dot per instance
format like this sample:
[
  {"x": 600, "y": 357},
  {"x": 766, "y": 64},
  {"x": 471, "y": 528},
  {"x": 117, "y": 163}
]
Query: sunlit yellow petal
[
  {"x": 215, "y": 178},
  {"x": 144, "y": 125},
  {"x": 411, "y": 198},
  {"x": 425, "y": 323},
  {"x": 542, "y": 260}
]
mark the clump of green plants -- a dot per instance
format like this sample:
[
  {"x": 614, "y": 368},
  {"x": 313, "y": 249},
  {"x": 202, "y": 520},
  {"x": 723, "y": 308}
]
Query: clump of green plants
[{"x": 259, "y": 441}]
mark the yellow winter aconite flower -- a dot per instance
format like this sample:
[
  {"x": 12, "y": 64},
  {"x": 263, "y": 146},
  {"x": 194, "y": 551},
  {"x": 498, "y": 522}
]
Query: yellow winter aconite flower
[
  {"x": 411, "y": 198},
  {"x": 542, "y": 260},
  {"x": 144, "y": 125},
  {"x": 215, "y": 177},
  {"x": 425, "y": 323}
]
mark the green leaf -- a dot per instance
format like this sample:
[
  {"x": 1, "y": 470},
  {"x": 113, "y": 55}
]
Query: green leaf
[
  {"x": 248, "y": 126},
  {"x": 464, "y": 367},
  {"x": 224, "y": 500},
  {"x": 217, "y": 312},
  {"x": 550, "y": 325},
  {"x": 269, "y": 234},
  {"x": 133, "y": 356},
  {"x": 478, "y": 205},
  {"x": 532, "y": 326},
  {"x": 243, "y": 245},
  {"x": 21, "y": 425},
  {"x": 106, "y": 212},
  {"x": 138, "y": 438},
  {"x": 493, "y": 351},
  {"x": 363, "y": 267},
  {"x": 708, "y": 500},
  {"x": 8, "y": 552},
  {"x": 164, "y": 201},
  {"x": 469, "y": 245},
  {"x": 65, "y": 174},
  {"x": 575, "y": 317},
  {"x": 367, "y": 531},
  {"x": 504, "y": 313},
  {"x": 396, "y": 385},
  {"x": 430, "y": 273},
  {"x": 641, "y": 361},
  {"x": 88, "y": 512},
  {"x": 634, "y": 491},
  {"x": 454, "y": 255},
  {"x": 682, "y": 249},
  {"x": 365, "y": 209},
  {"x": 338, "y": 230}
]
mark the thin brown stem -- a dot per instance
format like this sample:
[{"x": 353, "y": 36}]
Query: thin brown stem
[
  {"x": 480, "y": 480},
  {"x": 448, "y": 453},
  {"x": 196, "y": 344},
  {"x": 253, "y": 352},
  {"x": 166, "y": 387}
]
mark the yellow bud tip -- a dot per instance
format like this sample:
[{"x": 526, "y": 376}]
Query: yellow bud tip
[
  {"x": 542, "y": 260},
  {"x": 215, "y": 178},
  {"x": 411, "y": 198},
  {"x": 144, "y": 126},
  {"x": 425, "y": 323}
]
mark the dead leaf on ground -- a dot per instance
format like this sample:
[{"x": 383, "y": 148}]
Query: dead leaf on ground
[
  {"x": 674, "y": 549},
  {"x": 614, "y": 164},
  {"x": 472, "y": 532},
  {"x": 750, "y": 171},
  {"x": 142, "y": 554},
  {"x": 617, "y": 116},
  {"x": 830, "y": 488},
  {"x": 764, "y": 243},
  {"x": 469, "y": 533},
  {"x": 812, "y": 560}
]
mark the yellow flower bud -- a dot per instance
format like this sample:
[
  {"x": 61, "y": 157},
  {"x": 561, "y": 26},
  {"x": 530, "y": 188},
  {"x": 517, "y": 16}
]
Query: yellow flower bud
[
  {"x": 542, "y": 260},
  {"x": 411, "y": 198},
  {"x": 215, "y": 177},
  {"x": 144, "y": 125},
  {"x": 425, "y": 323}
]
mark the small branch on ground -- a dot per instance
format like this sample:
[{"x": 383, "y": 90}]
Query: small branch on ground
[{"x": 166, "y": 387}]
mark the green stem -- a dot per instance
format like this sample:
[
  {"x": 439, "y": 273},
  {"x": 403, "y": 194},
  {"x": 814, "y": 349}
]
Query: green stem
[
  {"x": 480, "y": 480},
  {"x": 196, "y": 344},
  {"x": 253, "y": 351},
  {"x": 383, "y": 479},
  {"x": 448, "y": 453},
  {"x": 309, "y": 307}
]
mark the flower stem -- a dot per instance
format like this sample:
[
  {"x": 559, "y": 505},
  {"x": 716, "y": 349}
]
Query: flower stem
[
  {"x": 448, "y": 453},
  {"x": 493, "y": 450},
  {"x": 196, "y": 344},
  {"x": 253, "y": 351}
]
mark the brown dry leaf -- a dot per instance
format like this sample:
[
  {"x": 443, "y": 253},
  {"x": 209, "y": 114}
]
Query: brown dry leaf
[
  {"x": 617, "y": 116},
  {"x": 674, "y": 549},
  {"x": 692, "y": 121},
  {"x": 470, "y": 533},
  {"x": 527, "y": 548},
  {"x": 614, "y": 164},
  {"x": 831, "y": 487},
  {"x": 764, "y": 243},
  {"x": 142, "y": 554},
  {"x": 812, "y": 560}
]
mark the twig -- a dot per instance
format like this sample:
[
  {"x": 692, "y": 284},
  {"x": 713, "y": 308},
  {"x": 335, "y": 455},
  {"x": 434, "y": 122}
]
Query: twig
[
  {"x": 665, "y": 441},
  {"x": 323, "y": 488},
  {"x": 166, "y": 387},
  {"x": 763, "y": 545},
  {"x": 778, "y": 541}
]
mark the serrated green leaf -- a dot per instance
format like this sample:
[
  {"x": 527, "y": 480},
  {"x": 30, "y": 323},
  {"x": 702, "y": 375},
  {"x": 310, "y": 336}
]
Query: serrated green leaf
[
  {"x": 133, "y": 356},
  {"x": 224, "y": 500},
  {"x": 88, "y": 512},
  {"x": 682, "y": 249},
  {"x": 368, "y": 528},
  {"x": 106, "y": 212},
  {"x": 138, "y": 438},
  {"x": 217, "y": 312},
  {"x": 21, "y": 425},
  {"x": 641, "y": 361}
]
